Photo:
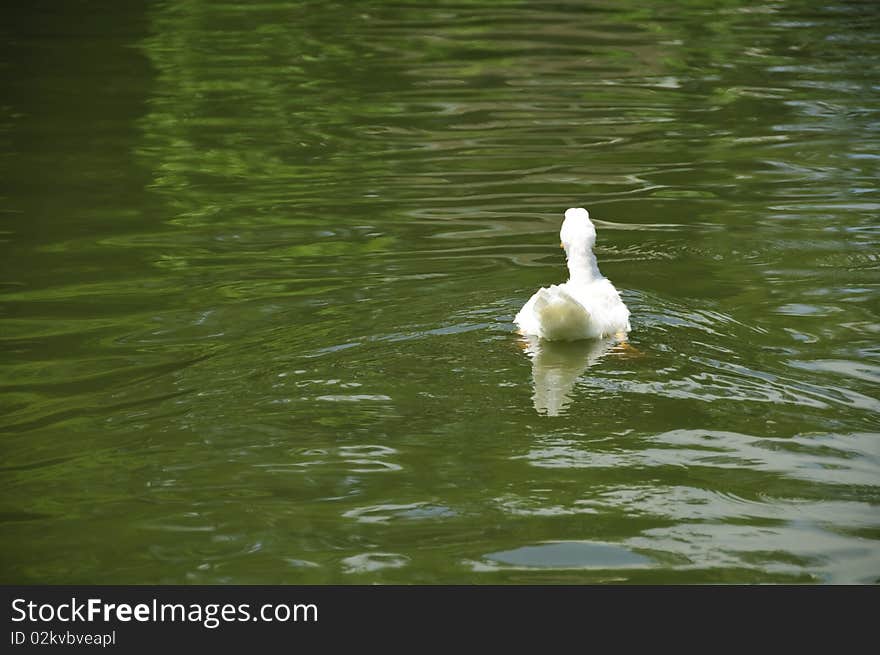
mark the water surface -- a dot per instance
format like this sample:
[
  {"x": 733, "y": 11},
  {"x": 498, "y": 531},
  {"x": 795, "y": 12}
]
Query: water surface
[{"x": 260, "y": 262}]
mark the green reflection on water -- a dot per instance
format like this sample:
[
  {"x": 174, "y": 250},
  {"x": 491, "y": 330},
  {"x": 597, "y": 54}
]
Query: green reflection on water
[{"x": 260, "y": 263}]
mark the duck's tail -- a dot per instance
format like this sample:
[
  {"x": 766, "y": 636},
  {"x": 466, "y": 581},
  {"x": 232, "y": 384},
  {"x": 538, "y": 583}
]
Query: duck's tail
[{"x": 562, "y": 318}]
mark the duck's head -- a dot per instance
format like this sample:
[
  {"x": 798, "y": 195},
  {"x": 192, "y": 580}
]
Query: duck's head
[{"x": 577, "y": 230}]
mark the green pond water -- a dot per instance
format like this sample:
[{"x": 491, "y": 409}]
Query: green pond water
[{"x": 260, "y": 263}]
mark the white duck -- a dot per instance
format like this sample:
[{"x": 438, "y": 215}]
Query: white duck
[{"x": 587, "y": 306}]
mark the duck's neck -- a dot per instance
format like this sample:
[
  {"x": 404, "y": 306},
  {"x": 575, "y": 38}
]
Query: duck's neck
[{"x": 582, "y": 266}]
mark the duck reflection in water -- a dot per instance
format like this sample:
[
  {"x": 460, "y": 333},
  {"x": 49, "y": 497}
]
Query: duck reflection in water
[{"x": 556, "y": 367}]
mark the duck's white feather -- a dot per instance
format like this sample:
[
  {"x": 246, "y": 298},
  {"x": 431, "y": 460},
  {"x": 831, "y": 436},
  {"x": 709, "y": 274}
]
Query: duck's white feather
[
  {"x": 587, "y": 306},
  {"x": 553, "y": 314}
]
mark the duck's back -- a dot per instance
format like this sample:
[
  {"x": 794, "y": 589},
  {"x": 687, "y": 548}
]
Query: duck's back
[
  {"x": 552, "y": 313},
  {"x": 608, "y": 314}
]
